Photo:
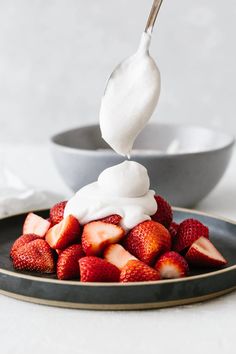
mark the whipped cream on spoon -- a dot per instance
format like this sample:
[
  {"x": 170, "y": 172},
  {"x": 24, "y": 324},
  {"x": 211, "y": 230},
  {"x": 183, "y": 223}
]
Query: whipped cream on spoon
[{"x": 131, "y": 94}]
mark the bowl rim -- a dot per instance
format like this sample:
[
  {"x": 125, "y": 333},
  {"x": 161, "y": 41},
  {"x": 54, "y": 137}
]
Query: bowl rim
[{"x": 110, "y": 153}]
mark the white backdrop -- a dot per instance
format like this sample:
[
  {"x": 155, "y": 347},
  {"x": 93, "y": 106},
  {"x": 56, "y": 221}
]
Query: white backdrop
[{"x": 56, "y": 55}]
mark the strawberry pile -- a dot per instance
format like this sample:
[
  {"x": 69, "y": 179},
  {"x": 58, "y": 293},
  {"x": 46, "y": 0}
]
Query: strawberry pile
[{"x": 101, "y": 251}]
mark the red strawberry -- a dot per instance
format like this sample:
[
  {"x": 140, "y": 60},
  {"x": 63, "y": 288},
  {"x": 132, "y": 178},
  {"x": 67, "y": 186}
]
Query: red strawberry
[
  {"x": 21, "y": 241},
  {"x": 173, "y": 229},
  {"x": 172, "y": 265},
  {"x": 147, "y": 240},
  {"x": 57, "y": 212},
  {"x": 64, "y": 234},
  {"x": 35, "y": 256},
  {"x": 189, "y": 231},
  {"x": 97, "y": 235},
  {"x": 94, "y": 269},
  {"x": 117, "y": 255},
  {"x": 203, "y": 253},
  {"x": 34, "y": 224},
  {"x": 112, "y": 219},
  {"x": 136, "y": 270},
  {"x": 67, "y": 264},
  {"x": 164, "y": 214}
]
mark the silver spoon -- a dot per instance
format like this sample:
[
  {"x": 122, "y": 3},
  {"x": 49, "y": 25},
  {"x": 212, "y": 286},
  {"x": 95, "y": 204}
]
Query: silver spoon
[{"x": 153, "y": 15}]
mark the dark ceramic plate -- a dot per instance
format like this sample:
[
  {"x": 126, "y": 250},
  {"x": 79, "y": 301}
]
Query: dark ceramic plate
[{"x": 199, "y": 286}]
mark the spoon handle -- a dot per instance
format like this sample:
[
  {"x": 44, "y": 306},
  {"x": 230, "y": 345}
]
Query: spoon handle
[{"x": 153, "y": 15}]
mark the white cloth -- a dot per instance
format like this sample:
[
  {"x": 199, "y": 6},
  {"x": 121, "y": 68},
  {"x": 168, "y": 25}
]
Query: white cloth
[{"x": 17, "y": 197}]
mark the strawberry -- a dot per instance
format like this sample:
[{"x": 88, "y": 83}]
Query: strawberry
[
  {"x": 203, "y": 253},
  {"x": 172, "y": 265},
  {"x": 94, "y": 269},
  {"x": 147, "y": 240},
  {"x": 64, "y": 234},
  {"x": 57, "y": 212},
  {"x": 112, "y": 219},
  {"x": 97, "y": 235},
  {"x": 189, "y": 231},
  {"x": 173, "y": 229},
  {"x": 34, "y": 224},
  {"x": 35, "y": 256},
  {"x": 164, "y": 214},
  {"x": 136, "y": 270},
  {"x": 117, "y": 255},
  {"x": 67, "y": 264},
  {"x": 21, "y": 241}
]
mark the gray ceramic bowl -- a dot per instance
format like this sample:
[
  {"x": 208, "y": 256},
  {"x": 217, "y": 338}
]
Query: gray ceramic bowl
[{"x": 184, "y": 162}]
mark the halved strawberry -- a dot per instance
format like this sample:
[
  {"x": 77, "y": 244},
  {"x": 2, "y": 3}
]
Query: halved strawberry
[
  {"x": 21, "y": 241},
  {"x": 57, "y": 212},
  {"x": 97, "y": 235},
  {"x": 164, "y": 214},
  {"x": 35, "y": 256},
  {"x": 67, "y": 264},
  {"x": 94, "y": 269},
  {"x": 136, "y": 270},
  {"x": 112, "y": 219},
  {"x": 64, "y": 234},
  {"x": 189, "y": 231},
  {"x": 172, "y": 265},
  {"x": 147, "y": 240},
  {"x": 173, "y": 230},
  {"x": 34, "y": 224},
  {"x": 203, "y": 253},
  {"x": 117, "y": 255}
]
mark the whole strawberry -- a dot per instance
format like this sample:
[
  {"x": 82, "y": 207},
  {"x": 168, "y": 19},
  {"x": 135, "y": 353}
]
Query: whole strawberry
[
  {"x": 147, "y": 240},
  {"x": 68, "y": 262},
  {"x": 189, "y": 231},
  {"x": 35, "y": 256},
  {"x": 136, "y": 270},
  {"x": 94, "y": 269},
  {"x": 164, "y": 214},
  {"x": 21, "y": 241},
  {"x": 57, "y": 212}
]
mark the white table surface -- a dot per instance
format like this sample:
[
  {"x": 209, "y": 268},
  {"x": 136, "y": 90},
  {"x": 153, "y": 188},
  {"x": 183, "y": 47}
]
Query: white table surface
[{"x": 31, "y": 329}]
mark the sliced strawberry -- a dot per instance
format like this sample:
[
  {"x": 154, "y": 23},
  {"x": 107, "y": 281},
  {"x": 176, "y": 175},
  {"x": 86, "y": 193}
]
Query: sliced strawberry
[
  {"x": 117, "y": 255},
  {"x": 34, "y": 224},
  {"x": 64, "y": 234},
  {"x": 189, "y": 231},
  {"x": 94, "y": 269},
  {"x": 173, "y": 230},
  {"x": 21, "y": 241},
  {"x": 147, "y": 240},
  {"x": 112, "y": 219},
  {"x": 57, "y": 212},
  {"x": 136, "y": 270},
  {"x": 67, "y": 264},
  {"x": 172, "y": 265},
  {"x": 203, "y": 253},
  {"x": 97, "y": 235},
  {"x": 164, "y": 214},
  {"x": 35, "y": 256}
]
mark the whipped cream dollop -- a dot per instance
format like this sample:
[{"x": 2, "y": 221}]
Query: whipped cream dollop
[
  {"x": 130, "y": 98},
  {"x": 121, "y": 189}
]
